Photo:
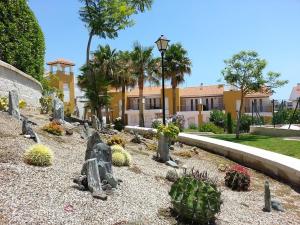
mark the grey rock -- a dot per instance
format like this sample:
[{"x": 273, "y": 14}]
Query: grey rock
[
  {"x": 95, "y": 123},
  {"x": 163, "y": 148},
  {"x": 136, "y": 139},
  {"x": 172, "y": 175},
  {"x": 172, "y": 164},
  {"x": 28, "y": 131},
  {"x": 172, "y": 148},
  {"x": 111, "y": 180},
  {"x": 276, "y": 205},
  {"x": 58, "y": 110},
  {"x": 69, "y": 132},
  {"x": 13, "y": 108}
]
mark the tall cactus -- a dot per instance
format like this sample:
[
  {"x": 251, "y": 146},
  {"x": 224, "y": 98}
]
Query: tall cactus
[{"x": 195, "y": 200}]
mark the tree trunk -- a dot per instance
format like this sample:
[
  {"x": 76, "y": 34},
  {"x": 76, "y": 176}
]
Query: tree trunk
[
  {"x": 100, "y": 116},
  {"x": 141, "y": 107},
  {"x": 89, "y": 47},
  {"x": 239, "y": 118},
  {"x": 123, "y": 102},
  {"x": 107, "y": 119},
  {"x": 174, "y": 86}
]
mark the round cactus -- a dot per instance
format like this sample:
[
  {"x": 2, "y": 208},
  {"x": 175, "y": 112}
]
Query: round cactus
[
  {"x": 128, "y": 158},
  {"x": 117, "y": 148},
  {"x": 196, "y": 201},
  {"x": 238, "y": 178},
  {"x": 38, "y": 155},
  {"x": 118, "y": 159}
]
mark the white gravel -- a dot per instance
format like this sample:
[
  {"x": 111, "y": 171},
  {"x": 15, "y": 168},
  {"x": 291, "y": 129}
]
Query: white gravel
[{"x": 33, "y": 195}]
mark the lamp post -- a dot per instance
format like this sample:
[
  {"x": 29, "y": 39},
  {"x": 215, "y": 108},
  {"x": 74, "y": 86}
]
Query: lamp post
[{"x": 162, "y": 45}]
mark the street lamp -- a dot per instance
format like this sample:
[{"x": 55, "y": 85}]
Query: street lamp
[{"x": 162, "y": 45}]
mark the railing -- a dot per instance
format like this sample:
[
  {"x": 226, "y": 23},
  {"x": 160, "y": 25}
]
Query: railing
[
  {"x": 147, "y": 107},
  {"x": 185, "y": 108},
  {"x": 264, "y": 108}
]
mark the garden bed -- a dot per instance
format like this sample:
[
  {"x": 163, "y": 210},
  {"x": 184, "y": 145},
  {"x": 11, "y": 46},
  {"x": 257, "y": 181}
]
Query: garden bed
[{"x": 34, "y": 195}]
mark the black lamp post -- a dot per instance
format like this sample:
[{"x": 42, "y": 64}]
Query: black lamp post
[{"x": 162, "y": 45}]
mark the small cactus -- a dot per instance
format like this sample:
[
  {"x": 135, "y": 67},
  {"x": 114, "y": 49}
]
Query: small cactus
[
  {"x": 118, "y": 159},
  {"x": 237, "y": 178},
  {"x": 38, "y": 155},
  {"x": 120, "y": 149},
  {"x": 196, "y": 201}
]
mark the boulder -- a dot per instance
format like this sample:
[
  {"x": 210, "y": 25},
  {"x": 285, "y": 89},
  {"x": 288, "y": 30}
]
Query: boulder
[
  {"x": 96, "y": 123},
  {"x": 13, "y": 107},
  {"x": 58, "y": 110},
  {"x": 28, "y": 131}
]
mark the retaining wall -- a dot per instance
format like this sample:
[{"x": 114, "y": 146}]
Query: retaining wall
[
  {"x": 274, "y": 132},
  {"x": 273, "y": 164},
  {"x": 27, "y": 87}
]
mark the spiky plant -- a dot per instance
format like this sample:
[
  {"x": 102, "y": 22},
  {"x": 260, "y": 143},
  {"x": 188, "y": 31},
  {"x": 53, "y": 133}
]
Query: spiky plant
[
  {"x": 120, "y": 149},
  {"x": 118, "y": 159},
  {"x": 38, "y": 155},
  {"x": 238, "y": 178},
  {"x": 195, "y": 201}
]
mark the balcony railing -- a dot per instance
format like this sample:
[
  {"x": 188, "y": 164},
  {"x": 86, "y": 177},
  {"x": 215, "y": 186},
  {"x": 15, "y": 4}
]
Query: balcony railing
[
  {"x": 147, "y": 107},
  {"x": 263, "y": 108},
  {"x": 185, "y": 108}
]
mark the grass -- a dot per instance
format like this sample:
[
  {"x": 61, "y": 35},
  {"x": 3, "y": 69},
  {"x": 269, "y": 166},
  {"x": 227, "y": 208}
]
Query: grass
[{"x": 274, "y": 144}]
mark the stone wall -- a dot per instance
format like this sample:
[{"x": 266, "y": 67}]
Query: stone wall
[{"x": 27, "y": 87}]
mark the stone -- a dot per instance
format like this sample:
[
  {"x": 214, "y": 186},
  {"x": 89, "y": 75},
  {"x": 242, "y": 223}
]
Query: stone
[
  {"x": 163, "y": 148},
  {"x": 136, "y": 139},
  {"x": 111, "y": 180},
  {"x": 69, "y": 132},
  {"x": 13, "y": 104},
  {"x": 95, "y": 123},
  {"x": 267, "y": 197},
  {"x": 172, "y": 164},
  {"x": 172, "y": 148},
  {"x": 276, "y": 205},
  {"x": 28, "y": 132},
  {"x": 58, "y": 110},
  {"x": 172, "y": 175},
  {"x": 93, "y": 179}
]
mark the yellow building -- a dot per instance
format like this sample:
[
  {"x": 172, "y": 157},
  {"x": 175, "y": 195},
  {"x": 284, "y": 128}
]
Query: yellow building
[
  {"x": 62, "y": 77},
  {"x": 194, "y": 103}
]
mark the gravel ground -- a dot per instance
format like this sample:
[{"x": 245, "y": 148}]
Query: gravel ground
[{"x": 33, "y": 195}]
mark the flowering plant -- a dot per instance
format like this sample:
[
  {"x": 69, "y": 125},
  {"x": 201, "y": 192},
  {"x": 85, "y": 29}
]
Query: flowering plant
[{"x": 237, "y": 178}]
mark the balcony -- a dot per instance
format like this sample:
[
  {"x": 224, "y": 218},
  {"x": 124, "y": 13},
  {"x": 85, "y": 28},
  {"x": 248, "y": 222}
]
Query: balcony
[
  {"x": 264, "y": 108},
  {"x": 147, "y": 107},
  {"x": 189, "y": 108}
]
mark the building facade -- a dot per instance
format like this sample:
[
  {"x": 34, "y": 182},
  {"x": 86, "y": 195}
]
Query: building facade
[
  {"x": 194, "y": 103},
  {"x": 61, "y": 76}
]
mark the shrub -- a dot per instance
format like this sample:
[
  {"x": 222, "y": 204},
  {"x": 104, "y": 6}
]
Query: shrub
[
  {"x": 193, "y": 126},
  {"x": 38, "y": 155},
  {"x": 116, "y": 140},
  {"x": 118, "y": 159},
  {"x": 210, "y": 127},
  {"x": 156, "y": 123},
  {"x": 229, "y": 124},
  {"x": 54, "y": 128},
  {"x": 118, "y": 124},
  {"x": 46, "y": 104},
  {"x": 237, "y": 178},
  {"x": 3, "y": 103},
  {"x": 197, "y": 201},
  {"x": 217, "y": 117},
  {"x": 171, "y": 131},
  {"x": 21, "y": 41},
  {"x": 22, "y": 104},
  {"x": 245, "y": 123},
  {"x": 179, "y": 121}
]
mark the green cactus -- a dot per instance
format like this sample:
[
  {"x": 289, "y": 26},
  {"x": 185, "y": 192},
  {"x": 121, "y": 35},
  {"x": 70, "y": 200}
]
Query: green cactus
[{"x": 195, "y": 200}]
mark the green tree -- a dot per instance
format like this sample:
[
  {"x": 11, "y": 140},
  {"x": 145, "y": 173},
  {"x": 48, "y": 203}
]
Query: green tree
[
  {"x": 177, "y": 65},
  {"x": 105, "y": 18},
  {"x": 124, "y": 76},
  {"x": 21, "y": 41},
  {"x": 145, "y": 68},
  {"x": 245, "y": 72},
  {"x": 102, "y": 68}
]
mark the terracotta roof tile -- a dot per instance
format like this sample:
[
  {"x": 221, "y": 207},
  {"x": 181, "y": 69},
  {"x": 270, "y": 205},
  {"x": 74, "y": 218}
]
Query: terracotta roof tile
[
  {"x": 147, "y": 91},
  {"x": 61, "y": 61},
  {"x": 211, "y": 90}
]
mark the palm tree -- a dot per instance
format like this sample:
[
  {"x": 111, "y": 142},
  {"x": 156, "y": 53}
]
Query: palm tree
[
  {"x": 102, "y": 68},
  {"x": 177, "y": 65},
  {"x": 124, "y": 76},
  {"x": 145, "y": 69}
]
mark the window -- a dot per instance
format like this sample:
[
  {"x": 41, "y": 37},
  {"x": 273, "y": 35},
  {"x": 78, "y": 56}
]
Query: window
[
  {"x": 260, "y": 105},
  {"x": 192, "y": 104},
  {"x": 196, "y": 104},
  {"x": 206, "y": 103},
  {"x": 211, "y": 103}
]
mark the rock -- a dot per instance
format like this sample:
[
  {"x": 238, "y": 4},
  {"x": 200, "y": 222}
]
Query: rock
[
  {"x": 267, "y": 197},
  {"x": 163, "y": 148},
  {"x": 184, "y": 168},
  {"x": 194, "y": 149},
  {"x": 136, "y": 139},
  {"x": 28, "y": 131},
  {"x": 172, "y": 148},
  {"x": 111, "y": 180},
  {"x": 69, "y": 132},
  {"x": 276, "y": 205},
  {"x": 172, "y": 175},
  {"x": 58, "y": 110},
  {"x": 95, "y": 123},
  {"x": 172, "y": 164},
  {"x": 76, "y": 124},
  {"x": 13, "y": 109}
]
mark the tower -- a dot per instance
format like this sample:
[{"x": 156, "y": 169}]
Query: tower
[{"x": 62, "y": 77}]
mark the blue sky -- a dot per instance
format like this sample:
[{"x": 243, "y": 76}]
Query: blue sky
[{"x": 211, "y": 31}]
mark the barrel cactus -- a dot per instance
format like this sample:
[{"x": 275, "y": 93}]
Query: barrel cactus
[
  {"x": 117, "y": 151},
  {"x": 237, "y": 178},
  {"x": 118, "y": 159},
  {"x": 196, "y": 201}
]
